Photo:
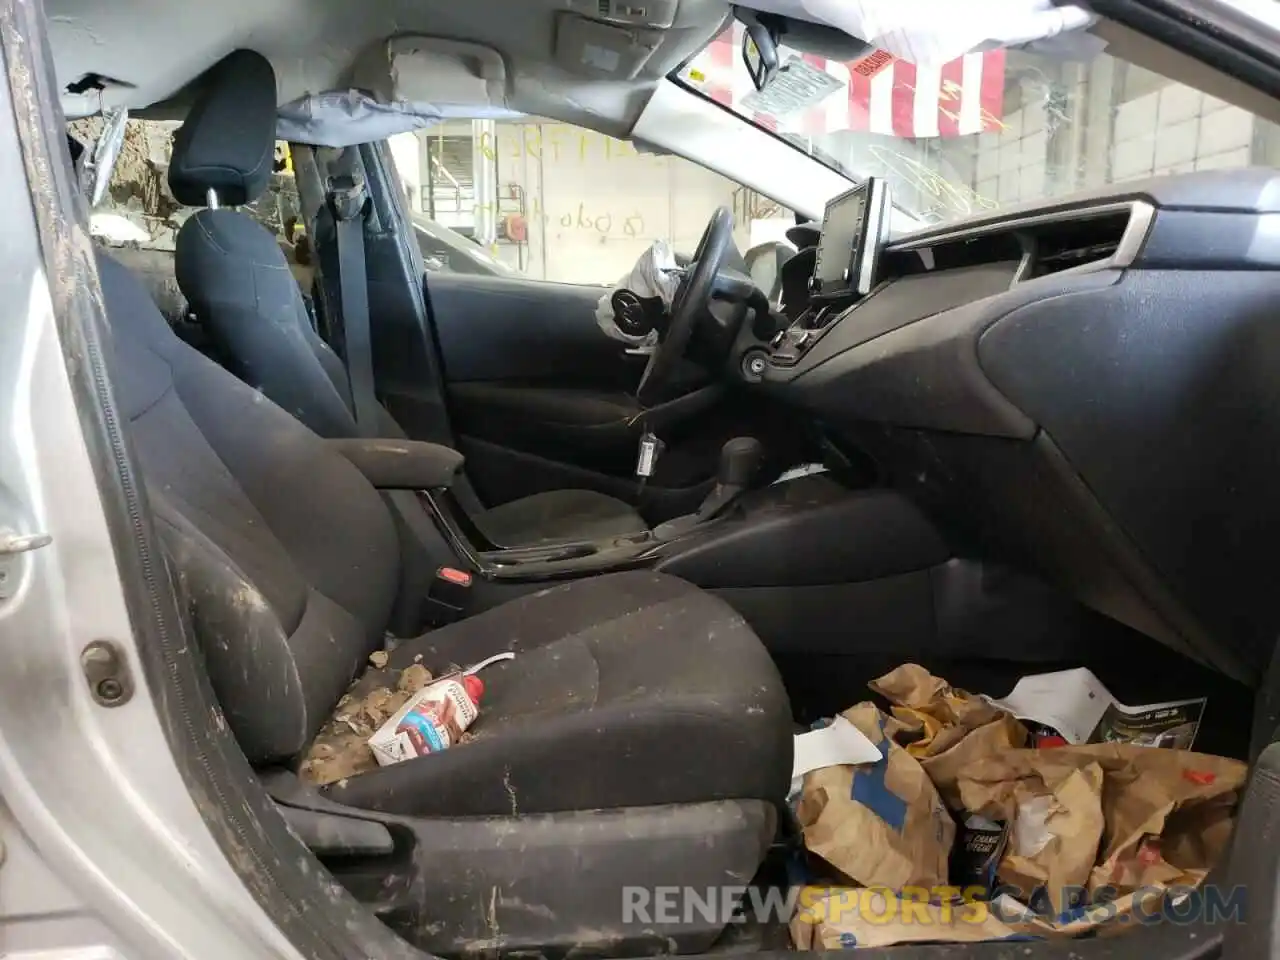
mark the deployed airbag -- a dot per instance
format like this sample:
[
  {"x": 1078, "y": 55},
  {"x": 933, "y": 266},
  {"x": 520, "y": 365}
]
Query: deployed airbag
[
  {"x": 344, "y": 118},
  {"x": 408, "y": 83},
  {"x": 656, "y": 275},
  {"x": 932, "y": 32}
]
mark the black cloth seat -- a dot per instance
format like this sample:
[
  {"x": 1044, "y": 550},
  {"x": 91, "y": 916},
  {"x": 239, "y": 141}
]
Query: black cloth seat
[
  {"x": 239, "y": 285},
  {"x": 620, "y": 695},
  {"x": 641, "y": 736},
  {"x": 289, "y": 560}
]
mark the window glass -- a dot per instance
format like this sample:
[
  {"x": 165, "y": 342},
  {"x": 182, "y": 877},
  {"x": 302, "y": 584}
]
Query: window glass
[
  {"x": 988, "y": 129},
  {"x": 551, "y": 201}
]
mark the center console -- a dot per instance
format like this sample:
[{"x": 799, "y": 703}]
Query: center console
[
  {"x": 740, "y": 463},
  {"x": 807, "y": 533},
  {"x": 801, "y": 560},
  {"x": 807, "y": 530},
  {"x": 536, "y": 563}
]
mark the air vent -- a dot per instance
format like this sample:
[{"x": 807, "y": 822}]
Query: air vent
[{"x": 1068, "y": 244}]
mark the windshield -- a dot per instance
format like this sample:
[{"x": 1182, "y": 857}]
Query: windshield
[{"x": 989, "y": 129}]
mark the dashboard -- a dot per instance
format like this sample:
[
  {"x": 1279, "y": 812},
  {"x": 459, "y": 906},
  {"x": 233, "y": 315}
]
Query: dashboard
[{"x": 1088, "y": 387}]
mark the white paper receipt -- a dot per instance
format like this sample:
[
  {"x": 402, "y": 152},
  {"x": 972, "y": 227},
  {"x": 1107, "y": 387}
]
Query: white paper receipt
[
  {"x": 834, "y": 745},
  {"x": 1082, "y": 710}
]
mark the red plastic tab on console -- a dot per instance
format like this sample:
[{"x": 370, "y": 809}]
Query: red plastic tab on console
[{"x": 457, "y": 577}]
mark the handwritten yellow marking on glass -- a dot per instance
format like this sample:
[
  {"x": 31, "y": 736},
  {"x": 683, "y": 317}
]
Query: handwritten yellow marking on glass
[{"x": 955, "y": 197}]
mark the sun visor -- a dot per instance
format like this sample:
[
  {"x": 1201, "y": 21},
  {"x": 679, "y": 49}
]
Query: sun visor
[{"x": 404, "y": 84}]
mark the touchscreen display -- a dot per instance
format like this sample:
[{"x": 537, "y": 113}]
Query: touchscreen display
[
  {"x": 841, "y": 229},
  {"x": 854, "y": 229}
]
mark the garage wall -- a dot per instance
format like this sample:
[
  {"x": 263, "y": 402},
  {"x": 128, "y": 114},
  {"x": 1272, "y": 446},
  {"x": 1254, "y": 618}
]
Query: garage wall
[
  {"x": 1102, "y": 123},
  {"x": 1013, "y": 164},
  {"x": 1177, "y": 129},
  {"x": 596, "y": 204},
  {"x": 591, "y": 205}
]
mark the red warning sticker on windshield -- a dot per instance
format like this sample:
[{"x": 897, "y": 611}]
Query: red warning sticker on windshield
[{"x": 873, "y": 63}]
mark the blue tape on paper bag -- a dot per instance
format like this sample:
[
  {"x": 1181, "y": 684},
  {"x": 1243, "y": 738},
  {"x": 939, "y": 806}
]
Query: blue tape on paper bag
[{"x": 872, "y": 791}]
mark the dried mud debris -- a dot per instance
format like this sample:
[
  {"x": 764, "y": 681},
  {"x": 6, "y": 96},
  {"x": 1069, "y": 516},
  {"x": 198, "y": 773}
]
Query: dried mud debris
[{"x": 342, "y": 750}]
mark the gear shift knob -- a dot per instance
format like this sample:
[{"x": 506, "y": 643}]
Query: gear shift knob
[{"x": 740, "y": 461}]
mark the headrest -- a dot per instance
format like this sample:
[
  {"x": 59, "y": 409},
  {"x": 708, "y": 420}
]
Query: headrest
[{"x": 228, "y": 140}]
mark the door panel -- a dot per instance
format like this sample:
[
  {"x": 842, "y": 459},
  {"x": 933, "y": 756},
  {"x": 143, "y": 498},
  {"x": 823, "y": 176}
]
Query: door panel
[
  {"x": 515, "y": 373},
  {"x": 542, "y": 399},
  {"x": 497, "y": 328}
]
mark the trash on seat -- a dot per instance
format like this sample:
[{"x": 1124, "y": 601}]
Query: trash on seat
[
  {"x": 344, "y": 747},
  {"x": 433, "y": 719},
  {"x": 960, "y": 818}
]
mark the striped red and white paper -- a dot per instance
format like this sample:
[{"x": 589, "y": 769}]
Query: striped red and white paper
[{"x": 900, "y": 99}]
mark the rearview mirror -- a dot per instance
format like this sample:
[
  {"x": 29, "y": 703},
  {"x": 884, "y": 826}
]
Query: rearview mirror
[{"x": 759, "y": 51}]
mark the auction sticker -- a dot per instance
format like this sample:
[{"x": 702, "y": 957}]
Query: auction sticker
[{"x": 797, "y": 86}]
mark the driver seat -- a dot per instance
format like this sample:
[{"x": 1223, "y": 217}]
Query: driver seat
[{"x": 239, "y": 285}]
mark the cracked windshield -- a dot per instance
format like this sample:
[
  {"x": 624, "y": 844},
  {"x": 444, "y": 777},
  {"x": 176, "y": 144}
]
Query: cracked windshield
[{"x": 988, "y": 129}]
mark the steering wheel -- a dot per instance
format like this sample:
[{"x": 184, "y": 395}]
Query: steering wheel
[{"x": 691, "y": 300}]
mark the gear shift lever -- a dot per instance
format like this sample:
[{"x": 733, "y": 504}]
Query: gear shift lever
[{"x": 740, "y": 462}]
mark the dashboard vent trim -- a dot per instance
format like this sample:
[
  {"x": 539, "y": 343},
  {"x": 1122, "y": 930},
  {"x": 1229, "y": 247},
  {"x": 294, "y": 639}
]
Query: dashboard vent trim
[{"x": 1141, "y": 216}]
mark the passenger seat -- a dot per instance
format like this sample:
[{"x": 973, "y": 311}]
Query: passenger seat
[{"x": 640, "y": 738}]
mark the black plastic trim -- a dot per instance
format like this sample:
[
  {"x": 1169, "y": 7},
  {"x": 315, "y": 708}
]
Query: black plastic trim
[
  {"x": 1210, "y": 31},
  {"x": 926, "y": 373}
]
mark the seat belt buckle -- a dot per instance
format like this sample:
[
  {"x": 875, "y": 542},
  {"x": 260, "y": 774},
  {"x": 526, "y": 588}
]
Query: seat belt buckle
[
  {"x": 449, "y": 596},
  {"x": 647, "y": 457},
  {"x": 346, "y": 196}
]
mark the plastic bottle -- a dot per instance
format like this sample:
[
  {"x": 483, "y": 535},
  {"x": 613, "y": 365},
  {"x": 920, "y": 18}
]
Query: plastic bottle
[
  {"x": 438, "y": 720},
  {"x": 435, "y": 720}
]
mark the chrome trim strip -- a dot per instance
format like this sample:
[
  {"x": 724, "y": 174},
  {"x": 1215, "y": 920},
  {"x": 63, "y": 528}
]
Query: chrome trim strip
[
  {"x": 1135, "y": 234},
  {"x": 872, "y": 238}
]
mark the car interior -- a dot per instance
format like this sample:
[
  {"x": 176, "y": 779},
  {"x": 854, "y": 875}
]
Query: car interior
[{"x": 1044, "y": 438}]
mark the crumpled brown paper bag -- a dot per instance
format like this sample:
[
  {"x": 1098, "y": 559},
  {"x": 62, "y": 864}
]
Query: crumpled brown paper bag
[
  {"x": 835, "y": 918},
  {"x": 1097, "y": 919},
  {"x": 1056, "y": 828},
  {"x": 952, "y": 728},
  {"x": 880, "y": 824},
  {"x": 1166, "y": 814}
]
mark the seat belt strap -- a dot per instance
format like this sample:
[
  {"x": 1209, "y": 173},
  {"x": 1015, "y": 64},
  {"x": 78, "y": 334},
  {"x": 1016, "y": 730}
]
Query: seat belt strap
[{"x": 350, "y": 206}]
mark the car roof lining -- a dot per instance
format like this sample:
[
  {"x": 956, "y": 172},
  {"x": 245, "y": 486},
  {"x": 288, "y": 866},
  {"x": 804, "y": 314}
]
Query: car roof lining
[{"x": 155, "y": 54}]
